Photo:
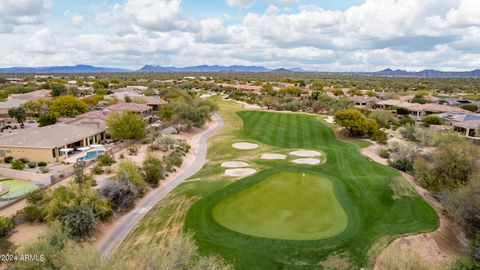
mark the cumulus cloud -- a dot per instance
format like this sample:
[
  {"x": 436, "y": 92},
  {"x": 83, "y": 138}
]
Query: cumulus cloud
[
  {"x": 376, "y": 34},
  {"x": 21, "y": 12},
  {"x": 153, "y": 15},
  {"x": 75, "y": 19}
]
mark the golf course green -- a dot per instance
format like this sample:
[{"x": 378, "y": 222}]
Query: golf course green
[
  {"x": 348, "y": 211},
  {"x": 287, "y": 205}
]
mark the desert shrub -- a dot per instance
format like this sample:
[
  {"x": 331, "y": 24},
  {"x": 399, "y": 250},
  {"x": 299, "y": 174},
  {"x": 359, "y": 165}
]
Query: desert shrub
[
  {"x": 32, "y": 213},
  {"x": 465, "y": 264},
  {"x": 172, "y": 160},
  {"x": 463, "y": 205},
  {"x": 50, "y": 247},
  {"x": 78, "y": 173},
  {"x": 60, "y": 200},
  {"x": 408, "y": 132},
  {"x": 432, "y": 120},
  {"x": 426, "y": 137},
  {"x": 384, "y": 118},
  {"x": 384, "y": 153},
  {"x": 32, "y": 164},
  {"x": 121, "y": 194},
  {"x": 35, "y": 196},
  {"x": 7, "y": 159},
  {"x": 97, "y": 169},
  {"x": 42, "y": 164},
  {"x": 17, "y": 164},
  {"x": 406, "y": 120},
  {"x": 292, "y": 106},
  {"x": 79, "y": 221},
  {"x": 164, "y": 143},
  {"x": 44, "y": 169},
  {"x": 133, "y": 150},
  {"x": 6, "y": 226},
  {"x": 128, "y": 171},
  {"x": 379, "y": 136},
  {"x": 106, "y": 160},
  {"x": 153, "y": 170},
  {"x": 402, "y": 159}
]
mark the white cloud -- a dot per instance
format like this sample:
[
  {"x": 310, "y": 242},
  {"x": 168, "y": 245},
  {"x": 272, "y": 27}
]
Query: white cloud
[
  {"x": 22, "y": 12},
  {"x": 376, "y": 34},
  {"x": 75, "y": 19}
]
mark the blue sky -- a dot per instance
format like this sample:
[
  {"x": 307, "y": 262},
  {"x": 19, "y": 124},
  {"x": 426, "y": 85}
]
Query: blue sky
[{"x": 335, "y": 35}]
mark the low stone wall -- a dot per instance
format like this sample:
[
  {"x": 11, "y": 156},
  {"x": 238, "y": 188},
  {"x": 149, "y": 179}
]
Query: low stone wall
[{"x": 41, "y": 179}]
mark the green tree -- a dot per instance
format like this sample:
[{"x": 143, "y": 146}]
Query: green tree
[
  {"x": 128, "y": 171},
  {"x": 432, "y": 120},
  {"x": 78, "y": 172},
  {"x": 18, "y": 114},
  {"x": 153, "y": 170},
  {"x": 32, "y": 107},
  {"x": 46, "y": 119},
  {"x": 17, "y": 164},
  {"x": 67, "y": 106},
  {"x": 58, "y": 90},
  {"x": 269, "y": 101},
  {"x": 355, "y": 122},
  {"x": 126, "y": 125}
]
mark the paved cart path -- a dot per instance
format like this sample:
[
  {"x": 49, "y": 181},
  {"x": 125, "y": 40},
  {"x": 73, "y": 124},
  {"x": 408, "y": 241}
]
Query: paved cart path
[{"x": 128, "y": 222}]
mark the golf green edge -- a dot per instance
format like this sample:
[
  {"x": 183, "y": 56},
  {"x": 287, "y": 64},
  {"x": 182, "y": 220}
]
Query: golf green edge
[{"x": 376, "y": 214}]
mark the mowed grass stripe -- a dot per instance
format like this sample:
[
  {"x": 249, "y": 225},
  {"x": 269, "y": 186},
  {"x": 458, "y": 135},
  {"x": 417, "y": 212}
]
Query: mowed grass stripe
[{"x": 378, "y": 208}]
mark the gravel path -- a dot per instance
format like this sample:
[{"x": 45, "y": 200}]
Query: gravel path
[{"x": 128, "y": 222}]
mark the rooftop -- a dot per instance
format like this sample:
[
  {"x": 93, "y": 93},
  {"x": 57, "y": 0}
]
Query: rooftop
[
  {"x": 130, "y": 107},
  {"x": 48, "y": 137}
]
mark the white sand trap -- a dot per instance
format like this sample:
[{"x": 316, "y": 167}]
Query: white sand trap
[
  {"x": 305, "y": 153},
  {"x": 330, "y": 120},
  {"x": 234, "y": 164},
  {"x": 240, "y": 172},
  {"x": 307, "y": 161},
  {"x": 245, "y": 146},
  {"x": 273, "y": 156}
]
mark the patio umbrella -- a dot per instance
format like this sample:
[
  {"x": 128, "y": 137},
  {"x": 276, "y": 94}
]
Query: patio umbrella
[
  {"x": 96, "y": 145},
  {"x": 66, "y": 150},
  {"x": 83, "y": 148}
]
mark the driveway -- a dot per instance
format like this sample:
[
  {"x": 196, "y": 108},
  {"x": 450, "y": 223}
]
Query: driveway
[{"x": 128, "y": 222}]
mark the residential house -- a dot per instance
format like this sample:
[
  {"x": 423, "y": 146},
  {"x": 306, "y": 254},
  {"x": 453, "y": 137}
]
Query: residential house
[
  {"x": 10, "y": 104},
  {"x": 243, "y": 87},
  {"x": 455, "y": 102},
  {"x": 153, "y": 101},
  {"x": 141, "y": 109},
  {"x": 364, "y": 101},
  {"x": 46, "y": 143},
  {"x": 419, "y": 111},
  {"x": 43, "y": 94},
  {"x": 392, "y": 103}
]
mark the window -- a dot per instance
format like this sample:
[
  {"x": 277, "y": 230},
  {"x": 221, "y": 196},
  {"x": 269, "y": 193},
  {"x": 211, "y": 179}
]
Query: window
[
  {"x": 54, "y": 153},
  {"x": 2, "y": 153}
]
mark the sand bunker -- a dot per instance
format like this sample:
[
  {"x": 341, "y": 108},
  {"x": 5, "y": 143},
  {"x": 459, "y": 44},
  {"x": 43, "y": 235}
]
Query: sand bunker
[
  {"x": 330, "y": 120},
  {"x": 307, "y": 161},
  {"x": 305, "y": 153},
  {"x": 240, "y": 172},
  {"x": 245, "y": 146},
  {"x": 234, "y": 164},
  {"x": 273, "y": 156}
]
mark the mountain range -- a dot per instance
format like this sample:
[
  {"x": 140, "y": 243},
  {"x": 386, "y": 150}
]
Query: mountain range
[
  {"x": 429, "y": 73},
  {"x": 144, "y": 69}
]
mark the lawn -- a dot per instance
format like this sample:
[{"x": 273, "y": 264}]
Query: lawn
[
  {"x": 378, "y": 204},
  {"x": 286, "y": 206},
  {"x": 16, "y": 188}
]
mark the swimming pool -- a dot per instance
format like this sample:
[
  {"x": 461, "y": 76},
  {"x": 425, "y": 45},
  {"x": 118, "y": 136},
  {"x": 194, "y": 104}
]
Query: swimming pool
[{"x": 92, "y": 155}]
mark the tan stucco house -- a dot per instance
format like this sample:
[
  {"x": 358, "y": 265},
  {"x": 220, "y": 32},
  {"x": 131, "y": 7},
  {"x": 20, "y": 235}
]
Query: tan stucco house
[{"x": 44, "y": 143}]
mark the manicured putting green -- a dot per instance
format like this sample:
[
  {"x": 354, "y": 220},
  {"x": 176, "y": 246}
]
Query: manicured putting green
[
  {"x": 287, "y": 205},
  {"x": 16, "y": 188}
]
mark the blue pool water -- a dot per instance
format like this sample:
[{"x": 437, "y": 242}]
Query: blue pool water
[{"x": 92, "y": 155}]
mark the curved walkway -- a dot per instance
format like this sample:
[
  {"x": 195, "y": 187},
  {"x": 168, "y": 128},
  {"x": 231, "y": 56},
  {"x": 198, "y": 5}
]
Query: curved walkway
[{"x": 128, "y": 222}]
